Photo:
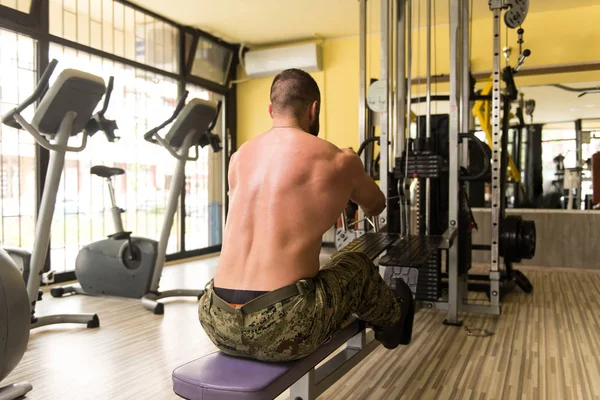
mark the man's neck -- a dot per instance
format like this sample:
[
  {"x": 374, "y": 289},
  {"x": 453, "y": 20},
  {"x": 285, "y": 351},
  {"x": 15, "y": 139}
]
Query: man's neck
[{"x": 280, "y": 123}]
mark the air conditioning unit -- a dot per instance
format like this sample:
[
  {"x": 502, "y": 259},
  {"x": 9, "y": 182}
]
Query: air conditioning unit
[{"x": 269, "y": 62}]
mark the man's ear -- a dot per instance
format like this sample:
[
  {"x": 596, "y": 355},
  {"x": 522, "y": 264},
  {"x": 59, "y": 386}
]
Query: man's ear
[
  {"x": 314, "y": 110},
  {"x": 271, "y": 110}
]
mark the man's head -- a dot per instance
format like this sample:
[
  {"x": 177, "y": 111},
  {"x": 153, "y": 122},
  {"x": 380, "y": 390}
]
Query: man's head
[{"x": 295, "y": 95}]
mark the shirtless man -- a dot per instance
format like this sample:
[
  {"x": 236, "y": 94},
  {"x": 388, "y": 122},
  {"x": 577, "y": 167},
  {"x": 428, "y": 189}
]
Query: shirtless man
[{"x": 269, "y": 299}]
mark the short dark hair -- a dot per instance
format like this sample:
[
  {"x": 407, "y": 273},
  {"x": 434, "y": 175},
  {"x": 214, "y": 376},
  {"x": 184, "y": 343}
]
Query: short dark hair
[{"x": 293, "y": 91}]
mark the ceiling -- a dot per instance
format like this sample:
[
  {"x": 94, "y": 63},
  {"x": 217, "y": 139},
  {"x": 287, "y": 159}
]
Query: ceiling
[
  {"x": 260, "y": 22},
  {"x": 257, "y": 22}
]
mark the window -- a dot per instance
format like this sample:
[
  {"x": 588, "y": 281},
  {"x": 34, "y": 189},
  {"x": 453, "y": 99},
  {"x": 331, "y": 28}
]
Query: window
[
  {"x": 555, "y": 143},
  {"x": 562, "y": 142},
  {"x": 17, "y": 148},
  {"x": 19, "y": 5},
  {"x": 204, "y": 189},
  {"x": 212, "y": 61},
  {"x": 116, "y": 29},
  {"x": 142, "y": 51},
  {"x": 140, "y": 101}
]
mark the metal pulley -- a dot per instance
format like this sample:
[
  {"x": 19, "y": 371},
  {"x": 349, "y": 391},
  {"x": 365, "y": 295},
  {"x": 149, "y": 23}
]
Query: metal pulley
[
  {"x": 517, "y": 12},
  {"x": 517, "y": 239}
]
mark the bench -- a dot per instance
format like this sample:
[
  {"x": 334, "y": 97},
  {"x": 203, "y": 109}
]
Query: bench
[{"x": 217, "y": 376}]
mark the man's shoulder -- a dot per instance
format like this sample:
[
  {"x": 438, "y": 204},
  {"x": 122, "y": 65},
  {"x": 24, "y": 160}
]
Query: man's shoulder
[
  {"x": 248, "y": 146},
  {"x": 321, "y": 145}
]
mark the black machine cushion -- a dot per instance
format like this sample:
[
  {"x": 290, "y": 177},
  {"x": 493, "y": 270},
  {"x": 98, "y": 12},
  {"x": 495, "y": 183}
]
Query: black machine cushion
[{"x": 106, "y": 172}]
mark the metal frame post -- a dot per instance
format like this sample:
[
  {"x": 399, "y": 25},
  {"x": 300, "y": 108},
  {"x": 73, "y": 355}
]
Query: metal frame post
[
  {"x": 362, "y": 86},
  {"x": 428, "y": 119},
  {"x": 362, "y": 77},
  {"x": 465, "y": 113},
  {"x": 578, "y": 161},
  {"x": 408, "y": 65},
  {"x": 385, "y": 116},
  {"x": 465, "y": 80},
  {"x": 400, "y": 137},
  {"x": 454, "y": 298},
  {"x": 407, "y": 204},
  {"x": 496, "y": 7},
  {"x": 401, "y": 114}
]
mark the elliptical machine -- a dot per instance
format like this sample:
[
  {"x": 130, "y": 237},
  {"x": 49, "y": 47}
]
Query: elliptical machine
[
  {"x": 98, "y": 122},
  {"x": 192, "y": 128},
  {"x": 127, "y": 266},
  {"x": 65, "y": 110}
]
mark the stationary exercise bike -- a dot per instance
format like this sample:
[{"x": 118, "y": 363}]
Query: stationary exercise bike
[{"x": 120, "y": 265}]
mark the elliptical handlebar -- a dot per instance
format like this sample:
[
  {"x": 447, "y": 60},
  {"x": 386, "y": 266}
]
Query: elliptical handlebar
[
  {"x": 214, "y": 121},
  {"x": 109, "y": 90},
  {"x": 9, "y": 118},
  {"x": 99, "y": 122},
  {"x": 149, "y": 136}
]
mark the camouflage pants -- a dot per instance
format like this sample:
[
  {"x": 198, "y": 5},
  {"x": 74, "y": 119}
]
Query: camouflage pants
[{"x": 293, "y": 328}]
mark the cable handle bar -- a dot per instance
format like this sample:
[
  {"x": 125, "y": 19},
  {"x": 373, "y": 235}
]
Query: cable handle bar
[
  {"x": 150, "y": 135},
  {"x": 9, "y": 118},
  {"x": 374, "y": 221}
]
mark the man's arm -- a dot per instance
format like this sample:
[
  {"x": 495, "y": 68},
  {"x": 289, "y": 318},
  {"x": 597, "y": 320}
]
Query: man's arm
[{"x": 365, "y": 191}]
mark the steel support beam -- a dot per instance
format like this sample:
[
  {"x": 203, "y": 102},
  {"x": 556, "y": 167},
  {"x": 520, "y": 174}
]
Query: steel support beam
[
  {"x": 454, "y": 298},
  {"x": 496, "y": 7},
  {"x": 385, "y": 76}
]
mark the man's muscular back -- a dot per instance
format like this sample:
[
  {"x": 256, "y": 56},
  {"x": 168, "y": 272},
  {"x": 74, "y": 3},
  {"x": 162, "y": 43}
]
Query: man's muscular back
[{"x": 287, "y": 188}]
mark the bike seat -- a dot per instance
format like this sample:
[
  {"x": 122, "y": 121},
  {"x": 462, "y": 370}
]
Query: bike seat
[{"x": 106, "y": 172}]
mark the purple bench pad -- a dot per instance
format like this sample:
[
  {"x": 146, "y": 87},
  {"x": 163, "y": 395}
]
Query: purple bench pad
[{"x": 217, "y": 376}]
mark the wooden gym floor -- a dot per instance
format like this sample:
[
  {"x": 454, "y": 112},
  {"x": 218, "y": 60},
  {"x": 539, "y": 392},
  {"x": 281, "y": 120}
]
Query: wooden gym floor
[{"x": 545, "y": 346}]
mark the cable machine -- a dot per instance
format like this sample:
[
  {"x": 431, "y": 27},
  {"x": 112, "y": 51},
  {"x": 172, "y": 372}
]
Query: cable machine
[{"x": 434, "y": 255}]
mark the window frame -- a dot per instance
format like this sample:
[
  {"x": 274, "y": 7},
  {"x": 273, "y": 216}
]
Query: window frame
[{"x": 35, "y": 24}]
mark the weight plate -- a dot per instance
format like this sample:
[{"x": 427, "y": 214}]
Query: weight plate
[{"x": 527, "y": 240}]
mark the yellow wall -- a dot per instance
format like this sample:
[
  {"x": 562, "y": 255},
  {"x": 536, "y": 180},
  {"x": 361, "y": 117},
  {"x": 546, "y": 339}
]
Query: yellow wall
[
  {"x": 339, "y": 91},
  {"x": 556, "y": 37}
]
